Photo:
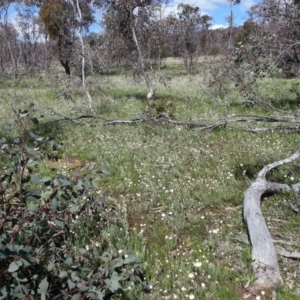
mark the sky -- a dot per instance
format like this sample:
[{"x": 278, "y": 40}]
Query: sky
[{"x": 219, "y": 10}]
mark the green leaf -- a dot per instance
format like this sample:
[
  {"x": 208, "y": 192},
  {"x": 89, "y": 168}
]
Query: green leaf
[
  {"x": 105, "y": 172},
  {"x": 116, "y": 277},
  {"x": 46, "y": 180},
  {"x": 35, "y": 178},
  {"x": 32, "y": 134},
  {"x": 114, "y": 285},
  {"x": 71, "y": 284},
  {"x": 63, "y": 274},
  {"x": 26, "y": 262},
  {"x": 76, "y": 297},
  {"x": 95, "y": 185},
  {"x": 3, "y": 294},
  {"x": 18, "y": 295},
  {"x": 74, "y": 208},
  {"x": 118, "y": 264},
  {"x": 32, "y": 195},
  {"x": 34, "y": 192},
  {"x": 80, "y": 185},
  {"x": 31, "y": 151},
  {"x": 64, "y": 182},
  {"x": 130, "y": 259},
  {"x": 82, "y": 250},
  {"x": 74, "y": 275},
  {"x": 60, "y": 222},
  {"x": 69, "y": 261},
  {"x": 43, "y": 286},
  {"x": 33, "y": 208},
  {"x": 14, "y": 266}
]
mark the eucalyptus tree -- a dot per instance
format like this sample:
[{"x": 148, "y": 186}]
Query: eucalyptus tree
[
  {"x": 61, "y": 22},
  {"x": 78, "y": 13},
  {"x": 127, "y": 19},
  {"x": 29, "y": 27},
  {"x": 160, "y": 39},
  {"x": 280, "y": 21},
  {"x": 188, "y": 28},
  {"x": 10, "y": 53}
]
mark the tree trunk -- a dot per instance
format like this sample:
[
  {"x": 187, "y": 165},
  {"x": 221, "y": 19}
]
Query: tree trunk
[
  {"x": 66, "y": 65},
  {"x": 148, "y": 81},
  {"x": 65, "y": 52},
  {"x": 264, "y": 257},
  {"x": 90, "y": 100}
]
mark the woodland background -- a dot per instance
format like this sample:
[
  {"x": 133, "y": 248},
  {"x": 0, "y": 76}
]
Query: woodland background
[{"x": 125, "y": 154}]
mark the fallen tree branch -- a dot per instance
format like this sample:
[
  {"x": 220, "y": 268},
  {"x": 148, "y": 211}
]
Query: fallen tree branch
[
  {"x": 204, "y": 125},
  {"x": 264, "y": 257},
  {"x": 243, "y": 238},
  {"x": 288, "y": 254},
  {"x": 292, "y": 207}
]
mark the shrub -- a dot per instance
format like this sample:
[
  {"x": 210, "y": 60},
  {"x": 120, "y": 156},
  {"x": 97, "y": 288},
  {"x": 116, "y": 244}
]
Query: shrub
[{"x": 40, "y": 217}]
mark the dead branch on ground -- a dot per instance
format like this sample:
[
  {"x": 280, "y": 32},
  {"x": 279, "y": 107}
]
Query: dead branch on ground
[
  {"x": 264, "y": 255},
  {"x": 292, "y": 123}
]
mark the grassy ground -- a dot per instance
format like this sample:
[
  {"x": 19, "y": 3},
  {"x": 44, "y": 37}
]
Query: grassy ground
[{"x": 180, "y": 189}]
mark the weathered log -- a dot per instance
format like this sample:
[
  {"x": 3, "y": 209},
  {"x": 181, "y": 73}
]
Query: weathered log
[
  {"x": 264, "y": 257},
  {"x": 227, "y": 122}
]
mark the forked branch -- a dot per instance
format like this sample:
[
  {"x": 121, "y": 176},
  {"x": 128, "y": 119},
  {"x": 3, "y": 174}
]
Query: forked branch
[
  {"x": 264, "y": 256},
  {"x": 230, "y": 122}
]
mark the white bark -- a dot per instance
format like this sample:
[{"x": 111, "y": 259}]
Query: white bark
[
  {"x": 151, "y": 91},
  {"x": 90, "y": 100},
  {"x": 82, "y": 54},
  {"x": 264, "y": 256}
]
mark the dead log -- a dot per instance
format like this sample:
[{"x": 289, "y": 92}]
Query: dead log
[
  {"x": 228, "y": 122},
  {"x": 264, "y": 257}
]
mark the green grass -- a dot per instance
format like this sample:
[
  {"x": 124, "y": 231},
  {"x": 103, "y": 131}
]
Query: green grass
[{"x": 179, "y": 189}]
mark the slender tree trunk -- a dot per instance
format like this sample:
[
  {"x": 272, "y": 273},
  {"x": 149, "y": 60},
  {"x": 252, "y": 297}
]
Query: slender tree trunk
[
  {"x": 66, "y": 65},
  {"x": 91, "y": 61},
  {"x": 148, "y": 81},
  {"x": 47, "y": 60},
  {"x": 15, "y": 65},
  {"x": 159, "y": 60},
  {"x": 90, "y": 100},
  {"x": 186, "y": 64},
  {"x": 64, "y": 57},
  {"x": 230, "y": 18}
]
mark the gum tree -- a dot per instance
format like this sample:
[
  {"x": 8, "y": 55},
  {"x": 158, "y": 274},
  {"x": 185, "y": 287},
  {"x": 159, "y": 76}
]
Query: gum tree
[
  {"x": 280, "y": 21},
  {"x": 125, "y": 19},
  {"x": 61, "y": 22},
  {"x": 189, "y": 27}
]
